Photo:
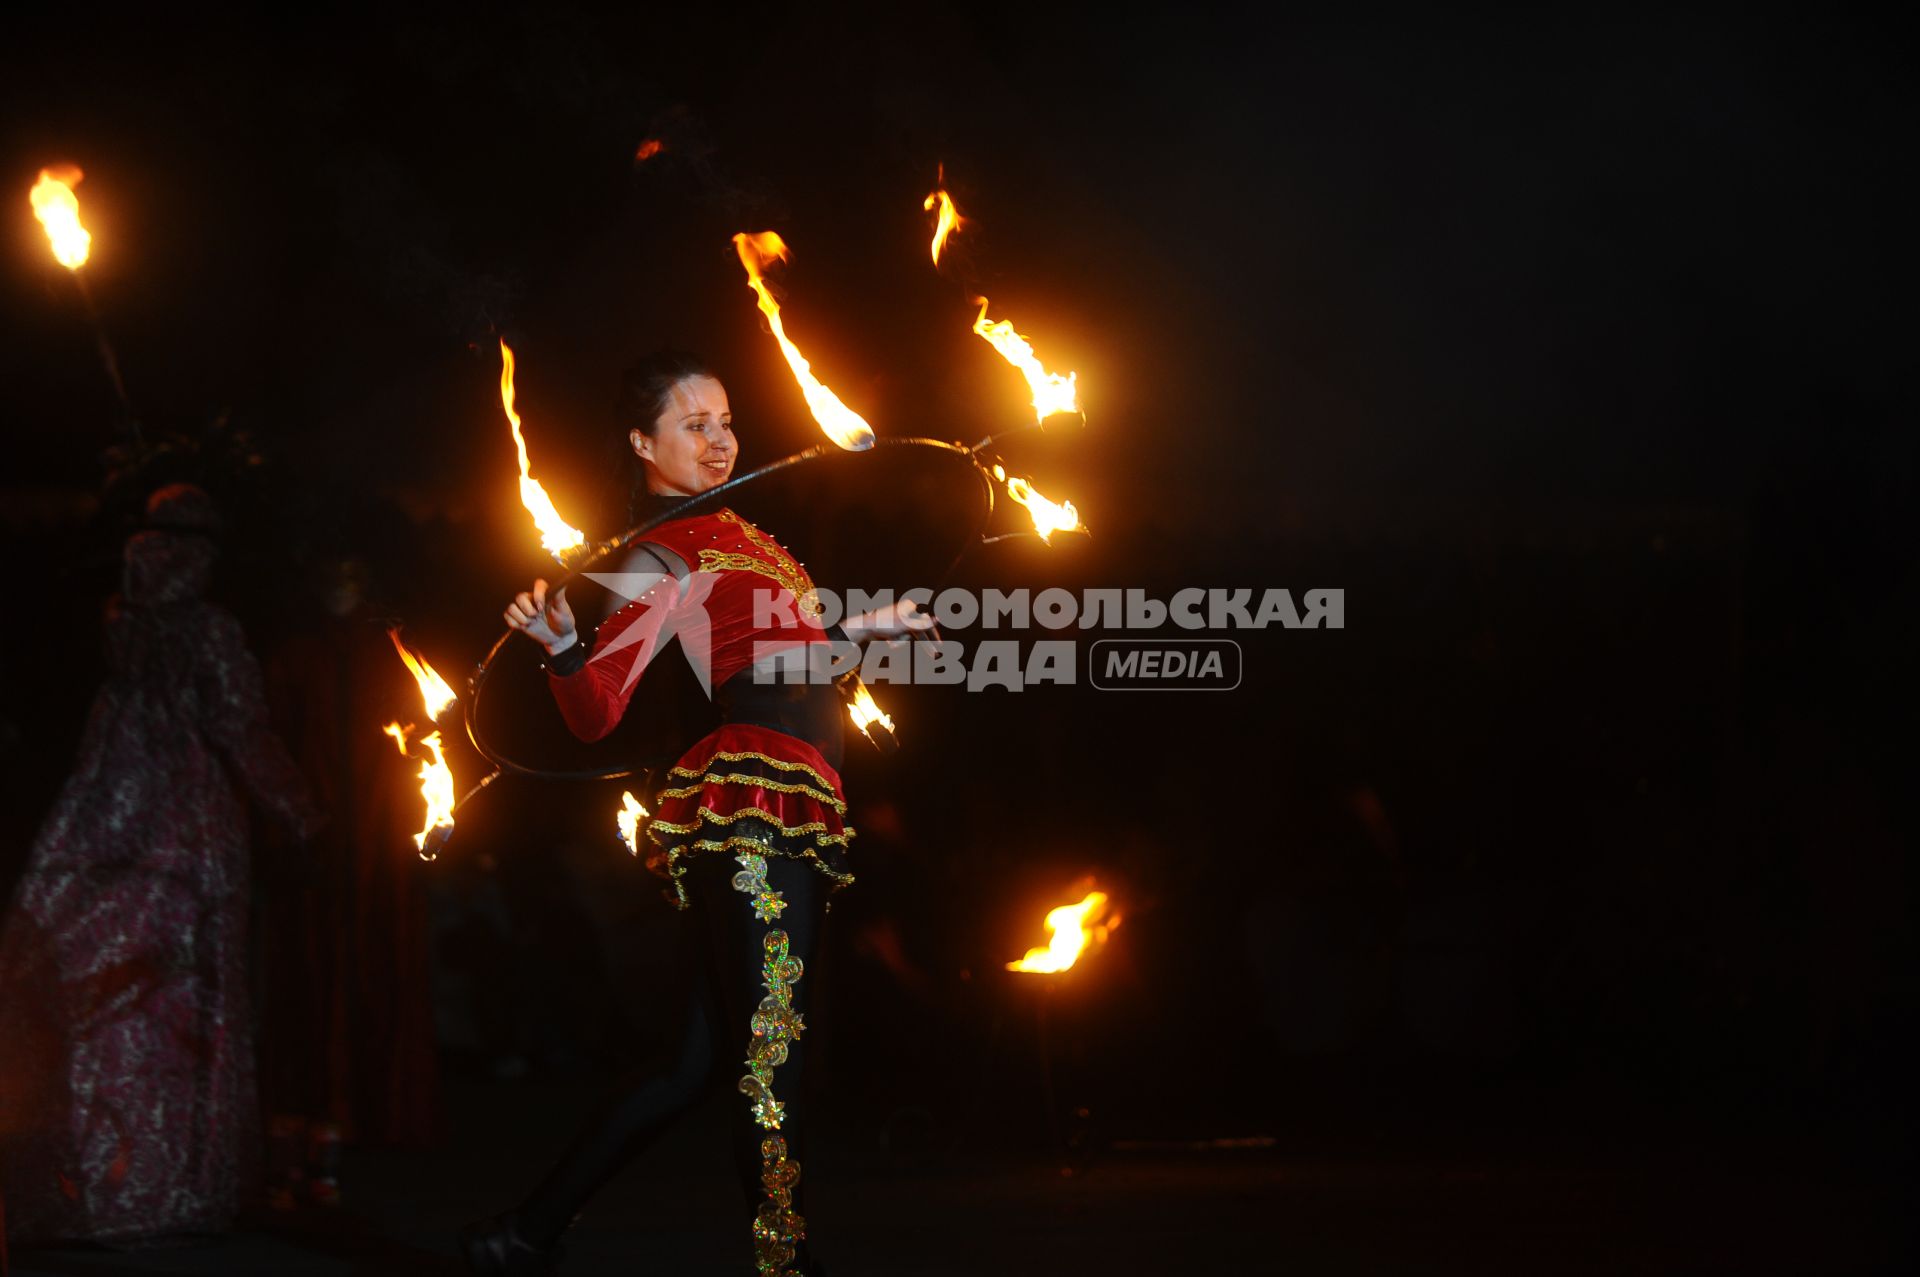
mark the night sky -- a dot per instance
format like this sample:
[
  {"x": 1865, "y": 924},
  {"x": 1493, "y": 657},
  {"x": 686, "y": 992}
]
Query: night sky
[{"x": 1565, "y": 344}]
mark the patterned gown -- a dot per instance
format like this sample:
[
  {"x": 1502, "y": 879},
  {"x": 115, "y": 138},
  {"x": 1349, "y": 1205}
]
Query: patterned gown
[{"x": 126, "y": 1069}]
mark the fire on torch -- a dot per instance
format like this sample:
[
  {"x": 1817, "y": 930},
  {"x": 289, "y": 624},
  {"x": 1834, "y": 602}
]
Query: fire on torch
[
  {"x": 1048, "y": 516},
  {"x": 947, "y": 221},
  {"x": 842, "y": 424},
  {"x": 874, "y": 723},
  {"x": 1072, "y": 929},
  {"x": 58, "y": 211},
  {"x": 1052, "y": 393},
  {"x": 556, "y": 534},
  {"x": 628, "y": 820},
  {"x": 436, "y": 778}
]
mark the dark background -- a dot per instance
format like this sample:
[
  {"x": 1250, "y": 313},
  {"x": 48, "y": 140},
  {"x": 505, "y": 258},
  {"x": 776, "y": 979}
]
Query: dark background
[{"x": 1566, "y": 345}]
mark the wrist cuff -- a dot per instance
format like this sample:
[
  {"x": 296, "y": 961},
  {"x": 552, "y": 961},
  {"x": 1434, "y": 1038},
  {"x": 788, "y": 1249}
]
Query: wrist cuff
[{"x": 568, "y": 660}]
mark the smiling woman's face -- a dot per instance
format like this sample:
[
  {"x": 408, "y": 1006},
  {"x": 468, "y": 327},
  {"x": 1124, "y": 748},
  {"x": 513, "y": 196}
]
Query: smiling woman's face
[{"x": 691, "y": 448}]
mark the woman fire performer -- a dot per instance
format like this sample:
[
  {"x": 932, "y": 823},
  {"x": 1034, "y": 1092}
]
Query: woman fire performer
[{"x": 749, "y": 826}]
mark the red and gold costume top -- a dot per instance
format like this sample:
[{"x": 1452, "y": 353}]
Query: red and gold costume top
[
  {"x": 745, "y": 597},
  {"x": 741, "y": 787}
]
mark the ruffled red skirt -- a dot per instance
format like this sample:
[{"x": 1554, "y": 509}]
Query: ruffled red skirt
[{"x": 747, "y": 788}]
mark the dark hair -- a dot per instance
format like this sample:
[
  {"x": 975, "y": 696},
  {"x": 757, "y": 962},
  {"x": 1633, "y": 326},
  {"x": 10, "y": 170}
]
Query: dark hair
[
  {"x": 648, "y": 384},
  {"x": 645, "y": 389}
]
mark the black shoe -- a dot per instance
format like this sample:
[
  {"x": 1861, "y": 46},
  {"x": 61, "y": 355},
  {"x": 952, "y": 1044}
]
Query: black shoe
[{"x": 494, "y": 1248}]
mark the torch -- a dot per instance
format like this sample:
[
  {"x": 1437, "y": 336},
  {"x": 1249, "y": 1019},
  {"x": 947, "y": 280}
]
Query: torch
[
  {"x": 873, "y": 723},
  {"x": 58, "y": 211},
  {"x": 436, "y": 779},
  {"x": 1053, "y": 394},
  {"x": 566, "y": 543},
  {"x": 838, "y": 422},
  {"x": 1073, "y": 930}
]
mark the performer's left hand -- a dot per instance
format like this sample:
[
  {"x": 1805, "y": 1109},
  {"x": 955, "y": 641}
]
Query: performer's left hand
[{"x": 903, "y": 619}]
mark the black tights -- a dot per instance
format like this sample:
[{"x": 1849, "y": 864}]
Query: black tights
[{"x": 727, "y": 951}]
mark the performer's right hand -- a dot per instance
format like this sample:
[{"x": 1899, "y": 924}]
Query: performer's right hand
[{"x": 547, "y": 620}]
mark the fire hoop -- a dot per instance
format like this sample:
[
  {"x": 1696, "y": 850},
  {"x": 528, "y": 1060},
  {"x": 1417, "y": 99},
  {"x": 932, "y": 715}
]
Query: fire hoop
[{"x": 929, "y": 500}]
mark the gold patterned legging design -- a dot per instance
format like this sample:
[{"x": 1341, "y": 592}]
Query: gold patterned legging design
[
  {"x": 776, "y": 1028},
  {"x": 742, "y": 962}
]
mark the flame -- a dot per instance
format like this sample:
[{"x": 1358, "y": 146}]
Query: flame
[
  {"x": 1048, "y": 516},
  {"x": 1052, "y": 393},
  {"x": 1072, "y": 927},
  {"x": 436, "y": 780},
  {"x": 555, "y": 533},
  {"x": 436, "y": 786},
  {"x": 949, "y": 220},
  {"x": 434, "y": 692},
  {"x": 648, "y": 149},
  {"x": 629, "y": 816},
  {"x": 59, "y": 212},
  {"x": 842, "y": 424},
  {"x": 436, "y": 783},
  {"x": 865, "y": 711}
]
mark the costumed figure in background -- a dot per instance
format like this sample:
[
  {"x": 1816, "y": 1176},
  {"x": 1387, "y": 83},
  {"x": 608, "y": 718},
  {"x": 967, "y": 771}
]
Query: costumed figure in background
[
  {"x": 127, "y": 1075},
  {"x": 749, "y": 825}
]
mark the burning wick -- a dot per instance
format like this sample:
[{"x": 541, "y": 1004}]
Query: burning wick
[
  {"x": 436, "y": 778},
  {"x": 555, "y": 533},
  {"x": 436, "y": 787},
  {"x": 949, "y": 221},
  {"x": 648, "y": 149},
  {"x": 1052, "y": 393},
  {"x": 1072, "y": 927},
  {"x": 865, "y": 712},
  {"x": 1048, "y": 516},
  {"x": 629, "y": 816},
  {"x": 842, "y": 424},
  {"x": 435, "y": 695},
  {"x": 58, "y": 209}
]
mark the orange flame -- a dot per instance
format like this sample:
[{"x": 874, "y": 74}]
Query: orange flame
[
  {"x": 55, "y": 204},
  {"x": 865, "y": 711},
  {"x": 629, "y": 816},
  {"x": 842, "y": 424},
  {"x": 949, "y": 221},
  {"x": 436, "y": 783},
  {"x": 648, "y": 149},
  {"x": 1048, "y": 516},
  {"x": 1052, "y": 393},
  {"x": 1072, "y": 928},
  {"x": 436, "y": 787},
  {"x": 434, "y": 692},
  {"x": 436, "y": 779},
  {"x": 555, "y": 533}
]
